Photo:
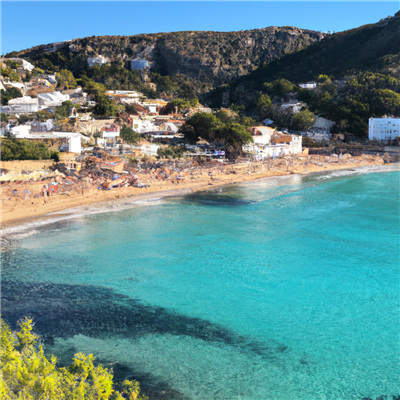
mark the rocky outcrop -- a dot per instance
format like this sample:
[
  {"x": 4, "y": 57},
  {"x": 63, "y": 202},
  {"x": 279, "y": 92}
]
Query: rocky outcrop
[{"x": 212, "y": 58}]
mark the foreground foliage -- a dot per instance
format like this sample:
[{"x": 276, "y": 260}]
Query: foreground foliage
[{"x": 27, "y": 373}]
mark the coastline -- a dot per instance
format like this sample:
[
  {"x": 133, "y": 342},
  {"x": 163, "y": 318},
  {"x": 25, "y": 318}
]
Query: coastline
[{"x": 21, "y": 222}]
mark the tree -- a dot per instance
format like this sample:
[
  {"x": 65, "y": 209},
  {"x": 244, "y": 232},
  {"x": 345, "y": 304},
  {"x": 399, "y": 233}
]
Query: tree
[
  {"x": 66, "y": 79},
  {"x": 264, "y": 105},
  {"x": 130, "y": 109},
  {"x": 93, "y": 88},
  {"x": 129, "y": 135},
  {"x": 226, "y": 116},
  {"x": 21, "y": 149},
  {"x": 324, "y": 79},
  {"x": 279, "y": 87},
  {"x": 179, "y": 105},
  {"x": 9, "y": 94},
  {"x": 26, "y": 373},
  {"x": 303, "y": 120},
  {"x": 246, "y": 121},
  {"x": 384, "y": 101},
  {"x": 63, "y": 110},
  {"x": 4, "y": 117},
  {"x": 234, "y": 136},
  {"x": 204, "y": 125},
  {"x": 105, "y": 107}
]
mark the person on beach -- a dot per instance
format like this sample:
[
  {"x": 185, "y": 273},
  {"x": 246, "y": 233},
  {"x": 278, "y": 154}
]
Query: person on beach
[{"x": 44, "y": 191}]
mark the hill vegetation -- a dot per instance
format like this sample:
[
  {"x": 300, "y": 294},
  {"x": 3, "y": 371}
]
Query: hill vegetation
[
  {"x": 198, "y": 61},
  {"x": 358, "y": 72}
]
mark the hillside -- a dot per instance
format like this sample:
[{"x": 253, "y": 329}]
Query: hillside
[
  {"x": 373, "y": 47},
  {"x": 208, "y": 59}
]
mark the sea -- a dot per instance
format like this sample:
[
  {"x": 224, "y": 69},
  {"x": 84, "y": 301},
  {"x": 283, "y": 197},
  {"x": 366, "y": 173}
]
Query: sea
[{"x": 284, "y": 288}]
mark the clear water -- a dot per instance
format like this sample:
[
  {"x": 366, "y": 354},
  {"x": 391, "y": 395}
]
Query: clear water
[{"x": 285, "y": 288}]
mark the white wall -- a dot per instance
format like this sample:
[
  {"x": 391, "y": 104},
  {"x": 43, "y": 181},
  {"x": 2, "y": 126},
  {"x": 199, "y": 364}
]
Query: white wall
[
  {"x": 21, "y": 131},
  {"x": 383, "y": 128},
  {"x": 75, "y": 145},
  {"x": 296, "y": 144}
]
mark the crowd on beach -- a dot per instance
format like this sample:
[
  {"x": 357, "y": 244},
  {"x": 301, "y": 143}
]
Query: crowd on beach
[{"x": 56, "y": 191}]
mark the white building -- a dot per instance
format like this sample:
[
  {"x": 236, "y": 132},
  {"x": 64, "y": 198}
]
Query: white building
[
  {"x": 261, "y": 134},
  {"x": 20, "y": 131},
  {"x": 97, "y": 60},
  {"x": 308, "y": 85},
  {"x": 279, "y": 145},
  {"x": 21, "y": 105},
  {"x": 53, "y": 99},
  {"x": 323, "y": 125},
  {"x": 144, "y": 125},
  {"x": 46, "y": 126},
  {"x": 383, "y": 128}
]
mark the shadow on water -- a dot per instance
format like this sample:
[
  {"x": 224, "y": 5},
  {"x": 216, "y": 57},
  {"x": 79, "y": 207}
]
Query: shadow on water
[
  {"x": 217, "y": 197},
  {"x": 62, "y": 311}
]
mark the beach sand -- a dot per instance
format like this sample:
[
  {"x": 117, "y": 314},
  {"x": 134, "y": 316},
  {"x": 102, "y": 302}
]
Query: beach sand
[{"x": 17, "y": 213}]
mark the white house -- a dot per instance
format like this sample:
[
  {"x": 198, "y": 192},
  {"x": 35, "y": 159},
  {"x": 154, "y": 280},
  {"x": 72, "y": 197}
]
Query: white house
[
  {"x": 73, "y": 139},
  {"x": 261, "y": 151},
  {"x": 144, "y": 125},
  {"x": 322, "y": 124},
  {"x": 53, "y": 99},
  {"x": 46, "y": 126},
  {"x": 20, "y": 131},
  {"x": 261, "y": 134},
  {"x": 21, "y": 105},
  {"x": 308, "y": 85},
  {"x": 383, "y": 128},
  {"x": 278, "y": 146}
]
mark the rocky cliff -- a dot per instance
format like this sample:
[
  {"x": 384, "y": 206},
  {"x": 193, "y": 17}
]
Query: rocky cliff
[{"x": 212, "y": 58}]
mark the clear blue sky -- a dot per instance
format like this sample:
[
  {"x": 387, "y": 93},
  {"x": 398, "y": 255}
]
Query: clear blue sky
[{"x": 30, "y": 23}]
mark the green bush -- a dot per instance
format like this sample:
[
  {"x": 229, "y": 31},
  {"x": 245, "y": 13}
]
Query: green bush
[
  {"x": 9, "y": 94},
  {"x": 27, "y": 373},
  {"x": 170, "y": 152},
  {"x": 129, "y": 135},
  {"x": 22, "y": 149}
]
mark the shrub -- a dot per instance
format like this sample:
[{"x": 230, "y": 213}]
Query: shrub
[
  {"x": 26, "y": 373},
  {"x": 22, "y": 149}
]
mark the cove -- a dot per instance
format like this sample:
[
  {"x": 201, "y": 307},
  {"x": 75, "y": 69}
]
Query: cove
[{"x": 284, "y": 288}]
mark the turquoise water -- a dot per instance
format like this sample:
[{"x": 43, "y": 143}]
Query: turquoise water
[{"x": 285, "y": 288}]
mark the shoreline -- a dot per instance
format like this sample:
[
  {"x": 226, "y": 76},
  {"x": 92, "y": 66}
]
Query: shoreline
[{"x": 118, "y": 201}]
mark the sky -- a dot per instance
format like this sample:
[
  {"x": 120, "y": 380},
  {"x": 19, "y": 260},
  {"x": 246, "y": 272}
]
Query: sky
[{"x": 25, "y": 24}]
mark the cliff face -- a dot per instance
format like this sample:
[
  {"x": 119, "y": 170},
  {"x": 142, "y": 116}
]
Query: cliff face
[
  {"x": 212, "y": 58},
  {"x": 373, "y": 47}
]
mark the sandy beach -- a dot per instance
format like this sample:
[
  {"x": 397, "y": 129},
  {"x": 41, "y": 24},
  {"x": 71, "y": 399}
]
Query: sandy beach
[{"x": 19, "y": 214}]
